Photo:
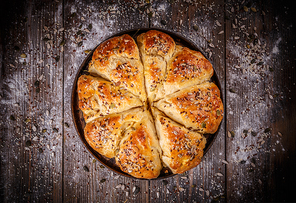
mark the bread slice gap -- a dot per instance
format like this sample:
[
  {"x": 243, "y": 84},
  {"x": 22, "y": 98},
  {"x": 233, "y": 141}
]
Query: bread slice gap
[
  {"x": 198, "y": 107},
  {"x": 182, "y": 149},
  {"x": 156, "y": 49}
]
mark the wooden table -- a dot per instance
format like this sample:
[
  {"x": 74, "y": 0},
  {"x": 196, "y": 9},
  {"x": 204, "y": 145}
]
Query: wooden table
[{"x": 252, "y": 47}]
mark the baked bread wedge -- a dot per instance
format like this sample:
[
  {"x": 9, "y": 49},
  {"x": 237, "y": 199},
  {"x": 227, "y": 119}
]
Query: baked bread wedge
[
  {"x": 198, "y": 107},
  {"x": 105, "y": 133},
  {"x": 182, "y": 149},
  {"x": 186, "y": 68},
  {"x": 98, "y": 97},
  {"x": 118, "y": 61},
  {"x": 139, "y": 151},
  {"x": 156, "y": 49},
  {"x": 117, "y": 47}
]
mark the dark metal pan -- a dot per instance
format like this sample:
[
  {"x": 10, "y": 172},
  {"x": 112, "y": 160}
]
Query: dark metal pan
[{"x": 77, "y": 114}]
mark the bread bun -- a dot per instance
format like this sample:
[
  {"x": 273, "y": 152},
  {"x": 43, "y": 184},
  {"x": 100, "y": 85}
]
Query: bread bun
[{"x": 156, "y": 49}]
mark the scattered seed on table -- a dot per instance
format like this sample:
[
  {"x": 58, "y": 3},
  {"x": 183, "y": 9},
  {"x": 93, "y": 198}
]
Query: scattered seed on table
[
  {"x": 28, "y": 143},
  {"x": 85, "y": 168},
  {"x": 36, "y": 83},
  {"x": 12, "y": 117},
  {"x": 136, "y": 190}
]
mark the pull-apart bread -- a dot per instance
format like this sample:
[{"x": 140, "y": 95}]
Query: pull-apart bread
[
  {"x": 118, "y": 60},
  {"x": 131, "y": 137},
  {"x": 182, "y": 149},
  {"x": 105, "y": 133},
  {"x": 198, "y": 107},
  {"x": 139, "y": 151},
  {"x": 176, "y": 82},
  {"x": 156, "y": 50},
  {"x": 98, "y": 97},
  {"x": 184, "y": 69}
]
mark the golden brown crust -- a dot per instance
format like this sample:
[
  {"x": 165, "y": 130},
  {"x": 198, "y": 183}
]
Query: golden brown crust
[
  {"x": 156, "y": 49},
  {"x": 98, "y": 97},
  {"x": 182, "y": 149},
  {"x": 175, "y": 80},
  {"x": 103, "y": 134},
  {"x": 139, "y": 151},
  {"x": 198, "y": 107},
  {"x": 156, "y": 43},
  {"x": 186, "y": 68},
  {"x": 121, "y": 46},
  {"x": 127, "y": 74},
  {"x": 154, "y": 73},
  {"x": 118, "y": 60},
  {"x": 188, "y": 65}
]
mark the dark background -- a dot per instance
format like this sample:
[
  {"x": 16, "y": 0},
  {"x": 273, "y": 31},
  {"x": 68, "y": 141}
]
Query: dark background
[{"x": 251, "y": 45}]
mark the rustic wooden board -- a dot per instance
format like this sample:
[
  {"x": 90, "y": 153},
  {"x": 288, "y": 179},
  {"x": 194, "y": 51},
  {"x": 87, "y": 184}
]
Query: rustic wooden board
[
  {"x": 99, "y": 184},
  {"x": 260, "y": 104},
  {"x": 251, "y": 45},
  {"x": 197, "y": 22},
  {"x": 31, "y": 164}
]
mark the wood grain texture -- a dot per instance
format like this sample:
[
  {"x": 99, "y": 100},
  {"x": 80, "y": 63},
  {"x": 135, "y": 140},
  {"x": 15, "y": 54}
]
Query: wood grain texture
[
  {"x": 259, "y": 102},
  {"x": 32, "y": 167},
  {"x": 197, "y": 22},
  {"x": 93, "y": 22},
  {"x": 251, "y": 45}
]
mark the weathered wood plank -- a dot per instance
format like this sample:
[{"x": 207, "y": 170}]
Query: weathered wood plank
[
  {"x": 259, "y": 83},
  {"x": 31, "y": 158},
  {"x": 260, "y": 75},
  {"x": 99, "y": 184},
  {"x": 198, "y": 23}
]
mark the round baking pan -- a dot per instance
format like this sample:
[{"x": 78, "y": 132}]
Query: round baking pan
[{"x": 77, "y": 114}]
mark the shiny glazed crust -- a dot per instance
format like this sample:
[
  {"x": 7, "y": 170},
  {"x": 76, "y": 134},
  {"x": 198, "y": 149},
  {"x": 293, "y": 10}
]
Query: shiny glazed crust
[
  {"x": 182, "y": 149},
  {"x": 198, "y": 107},
  {"x": 156, "y": 49},
  {"x": 118, "y": 61},
  {"x": 98, "y": 98},
  {"x": 184, "y": 69},
  {"x": 184, "y": 104},
  {"x": 105, "y": 133},
  {"x": 139, "y": 150},
  {"x": 116, "y": 47},
  {"x": 156, "y": 43}
]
